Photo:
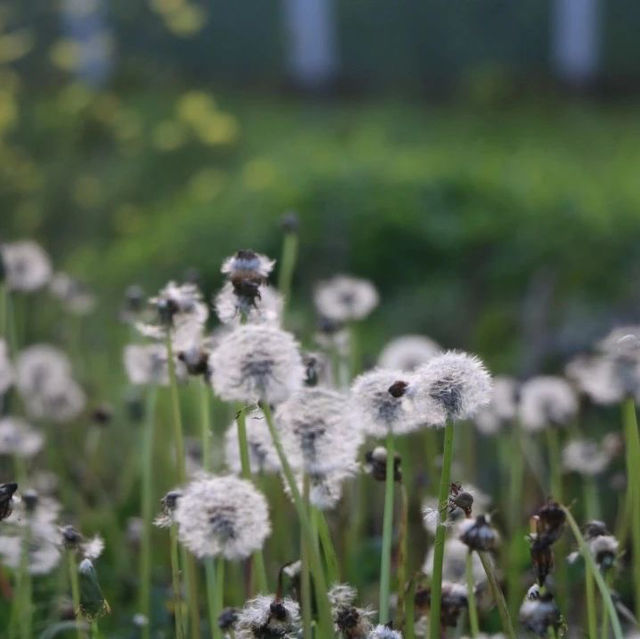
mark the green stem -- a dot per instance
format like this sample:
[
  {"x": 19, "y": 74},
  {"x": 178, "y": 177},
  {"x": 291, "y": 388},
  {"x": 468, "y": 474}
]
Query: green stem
[
  {"x": 474, "y": 628},
  {"x": 317, "y": 572},
  {"x": 217, "y": 634},
  {"x": 75, "y": 591},
  {"x": 328, "y": 549},
  {"x": 212, "y": 587},
  {"x": 591, "y": 501},
  {"x": 402, "y": 549},
  {"x": 592, "y": 619},
  {"x": 409, "y": 619},
  {"x": 387, "y": 533},
  {"x": 287, "y": 266},
  {"x": 591, "y": 565},
  {"x": 498, "y": 596},
  {"x": 175, "y": 582},
  {"x": 604, "y": 627},
  {"x": 305, "y": 585},
  {"x": 147, "y": 511},
  {"x": 205, "y": 417},
  {"x": 516, "y": 466},
  {"x": 633, "y": 486},
  {"x": 258, "y": 568},
  {"x": 438, "y": 555}
]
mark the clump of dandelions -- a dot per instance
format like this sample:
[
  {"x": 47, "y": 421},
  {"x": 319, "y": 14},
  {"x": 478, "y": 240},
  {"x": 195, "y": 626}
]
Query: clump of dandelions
[
  {"x": 379, "y": 401},
  {"x": 263, "y": 457},
  {"x": 451, "y": 387},
  {"x": 256, "y": 363},
  {"x": 26, "y": 266},
  {"x": 222, "y": 516},
  {"x": 268, "y": 616},
  {"x": 407, "y": 352},
  {"x": 344, "y": 298},
  {"x": 546, "y": 401}
]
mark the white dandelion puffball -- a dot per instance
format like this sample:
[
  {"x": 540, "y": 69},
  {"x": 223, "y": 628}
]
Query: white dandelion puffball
[
  {"x": 40, "y": 366},
  {"x": 598, "y": 378},
  {"x": 378, "y": 407},
  {"x": 18, "y": 438},
  {"x": 585, "y": 456},
  {"x": 452, "y": 386},
  {"x": 224, "y": 516},
  {"x": 247, "y": 263},
  {"x": 256, "y": 362},
  {"x": 545, "y": 401},
  {"x": 60, "y": 402},
  {"x": 6, "y": 369},
  {"x": 408, "y": 352},
  {"x": 622, "y": 341},
  {"x": 318, "y": 429},
  {"x": 263, "y": 457},
  {"x": 234, "y": 309},
  {"x": 148, "y": 364},
  {"x": 384, "y": 632},
  {"x": 27, "y": 266},
  {"x": 268, "y": 616},
  {"x": 502, "y": 408},
  {"x": 455, "y": 563},
  {"x": 344, "y": 298},
  {"x": 74, "y": 295}
]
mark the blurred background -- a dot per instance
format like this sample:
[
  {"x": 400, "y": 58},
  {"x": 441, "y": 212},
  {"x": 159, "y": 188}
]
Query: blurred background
[{"x": 478, "y": 160}]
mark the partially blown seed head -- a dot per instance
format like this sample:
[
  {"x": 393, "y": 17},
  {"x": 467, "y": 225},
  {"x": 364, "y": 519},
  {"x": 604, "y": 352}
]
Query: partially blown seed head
[
  {"x": 546, "y": 401},
  {"x": 408, "y": 352},
  {"x": 344, "y": 298}
]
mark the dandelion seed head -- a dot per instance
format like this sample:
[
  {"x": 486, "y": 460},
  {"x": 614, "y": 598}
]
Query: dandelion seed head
[
  {"x": 478, "y": 534},
  {"x": 247, "y": 263},
  {"x": 263, "y": 306},
  {"x": 502, "y": 407},
  {"x": 539, "y": 612},
  {"x": 263, "y": 457},
  {"x": 375, "y": 463},
  {"x": 384, "y": 632},
  {"x": 268, "y": 616},
  {"x": 455, "y": 563},
  {"x": 223, "y": 516},
  {"x": 344, "y": 298},
  {"x": 61, "y": 402},
  {"x": 26, "y": 265},
  {"x": 341, "y": 595},
  {"x": 147, "y": 364},
  {"x": 18, "y": 438},
  {"x": 597, "y": 377},
  {"x": 585, "y": 456},
  {"x": 256, "y": 363},
  {"x": 451, "y": 386},
  {"x": 318, "y": 429},
  {"x": 604, "y": 549},
  {"x": 377, "y": 410},
  {"x": 546, "y": 401},
  {"x": 74, "y": 295},
  {"x": 622, "y": 341},
  {"x": 6, "y": 368},
  {"x": 407, "y": 352},
  {"x": 40, "y": 366},
  {"x": 325, "y": 491}
]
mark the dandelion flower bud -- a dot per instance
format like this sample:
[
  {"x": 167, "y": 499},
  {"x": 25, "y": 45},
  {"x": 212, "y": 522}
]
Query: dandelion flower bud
[
  {"x": 26, "y": 266},
  {"x": 19, "y": 438},
  {"x": 545, "y": 401},
  {"x": 223, "y": 516},
  {"x": 268, "y": 616},
  {"x": 479, "y": 534},
  {"x": 380, "y": 405},
  {"x": 263, "y": 457},
  {"x": 384, "y": 632},
  {"x": 585, "y": 456},
  {"x": 344, "y": 298},
  {"x": 408, "y": 352},
  {"x": 290, "y": 222},
  {"x": 256, "y": 363},
  {"x": 452, "y": 386},
  {"x": 317, "y": 429},
  {"x": 93, "y": 605}
]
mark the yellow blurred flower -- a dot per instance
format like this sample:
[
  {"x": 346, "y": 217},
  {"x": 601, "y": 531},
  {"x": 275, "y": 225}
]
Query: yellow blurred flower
[
  {"x": 259, "y": 174},
  {"x": 194, "y": 106},
  {"x": 65, "y": 54},
  {"x": 15, "y": 45},
  {"x": 186, "y": 21},
  {"x": 168, "y": 135},
  {"x": 207, "y": 183},
  {"x": 218, "y": 128},
  {"x": 87, "y": 191}
]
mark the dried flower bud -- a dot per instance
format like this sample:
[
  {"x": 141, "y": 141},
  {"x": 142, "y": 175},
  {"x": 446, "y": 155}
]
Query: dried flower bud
[
  {"x": 92, "y": 602},
  {"x": 71, "y": 537},
  {"x": 290, "y": 222},
  {"x": 30, "y": 500},
  {"x": 102, "y": 414},
  {"x": 227, "y": 619},
  {"x": 6, "y": 499},
  {"x": 478, "y": 534}
]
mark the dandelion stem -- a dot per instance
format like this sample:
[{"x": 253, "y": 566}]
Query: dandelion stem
[
  {"x": 409, "y": 619},
  {"x": 633, "y": 487},
  {"x": 592, "y": 620},
  {"x": 147, "y": 511},
  {"x": 591, "y": 501},
  {"x": 175, "y": 582},
  {"x": 591, "y": 566},
  {"x": 205, "y": 416},
  {"x": 516, "y": 466},
  {"x": 498, "y": 596},
  {"x": 75, "y": 591},
  {"x": 259, "y": 572},
  {"x": 387, "y": 533},
  {"x": 330, "y": 556},
  {"x": 305, "y": 577},
  {"x": 474, "y": 629},
  {"x": 438, "y": 555},
  {"x": 212, "y": 599},
  {"x": 287, "y": 266},
  {"x": 317, "y": 573},
  {"x": 402, "y": 549}
]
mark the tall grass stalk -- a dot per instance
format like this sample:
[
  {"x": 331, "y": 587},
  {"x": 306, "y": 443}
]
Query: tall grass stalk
[
  {"x": 516, "y": 477},
  {"x": 287, "y": 266},
  {"x": 403, "y": 533},
  {"x": 317, "y": 572},
  {"x": 498, "y": 596},
  {"x": 438, "y": 555},
  {"x": 328, "y": 549},
  {"x": 474, "y": 628},
  {"x": 258, "y": 568},
  {"x": 147, "y": 510},
  {"x": 592, "y": 511},
  {"x": 205, "y": 424},
  {"x": 387, "y": 533},
  {"x": 593, "y": 568},
  {"x": 75, "y": 591},
  {"x": 632, "y": 439},
  {"x": 175, "y": 582},
  {"x": 305, "y": 585}
]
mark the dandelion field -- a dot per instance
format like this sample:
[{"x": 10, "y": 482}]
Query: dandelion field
[{"x": 237, "y": 475}]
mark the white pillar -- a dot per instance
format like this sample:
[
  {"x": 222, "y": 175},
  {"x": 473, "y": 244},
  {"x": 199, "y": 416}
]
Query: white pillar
[
  {"x": 575, "y": 40},
  {"x": 311, "y": 42}
]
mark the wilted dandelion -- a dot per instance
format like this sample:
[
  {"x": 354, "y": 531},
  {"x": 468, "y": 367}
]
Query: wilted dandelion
[
  {"x": 268, "y": 616},
  {"x": 344, "y": 298},
  {"x": 223, "y": 516},
  {"x": 73, "y": 540},
  {"x": 26, "y": 265},
  {"x": 169, "y": 504},
  {"x": 384, "y": 632},
  {"x": 453, "y": 602},
  {"x": 478, "y": 534},
  {"x": 263, "y": 457},
  {"x": 93, "y": 605},
  {"x": 407, "y": 352},
  {"x": 546, "y": 401},
  {"x": 18, "y": 438},
  {"x": 256, "y": 363},
  {"x": 539, "y": 612}
]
